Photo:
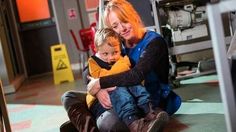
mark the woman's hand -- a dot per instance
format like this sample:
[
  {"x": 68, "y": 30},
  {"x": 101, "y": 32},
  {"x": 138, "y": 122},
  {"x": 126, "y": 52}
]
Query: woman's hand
[
  {"x": 104, "y": 98},
  {"x": 93, "y": 86}
]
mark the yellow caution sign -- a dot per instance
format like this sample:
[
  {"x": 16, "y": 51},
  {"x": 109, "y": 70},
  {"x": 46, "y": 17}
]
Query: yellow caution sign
[{"x": 61, "y": 65}]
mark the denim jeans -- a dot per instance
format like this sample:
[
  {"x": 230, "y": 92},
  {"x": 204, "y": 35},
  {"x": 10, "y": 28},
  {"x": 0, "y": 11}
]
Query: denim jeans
[{"x": 127, "y": 102}]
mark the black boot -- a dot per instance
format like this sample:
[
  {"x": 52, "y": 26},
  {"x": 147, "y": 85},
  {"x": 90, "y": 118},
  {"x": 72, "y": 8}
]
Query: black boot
[
  {"x": 159, "y": 115},
  {"x": 82, "y": 119},
  {"x": 143, "y": 125},
  {"x": 151, "y": 114},
  {"x": 68, "y": 127}
]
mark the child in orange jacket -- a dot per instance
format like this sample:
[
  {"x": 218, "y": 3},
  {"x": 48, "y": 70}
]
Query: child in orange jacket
[{"x": 127, "y": 102}]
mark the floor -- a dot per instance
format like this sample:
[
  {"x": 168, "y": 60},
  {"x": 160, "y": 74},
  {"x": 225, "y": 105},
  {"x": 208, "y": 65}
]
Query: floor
[{"x": 36, "y": 106}]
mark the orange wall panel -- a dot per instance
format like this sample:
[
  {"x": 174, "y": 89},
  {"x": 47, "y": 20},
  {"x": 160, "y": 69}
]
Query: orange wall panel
[
  {"x": 32, "y": 10},
  {"x": 90, "y": 4}
]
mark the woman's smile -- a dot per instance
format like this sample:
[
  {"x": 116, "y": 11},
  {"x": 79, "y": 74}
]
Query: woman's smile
[{"x": 126, "y": 34}]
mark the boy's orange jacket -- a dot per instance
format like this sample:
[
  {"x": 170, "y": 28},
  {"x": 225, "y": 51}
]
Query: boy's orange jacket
[{"x": 122, "y": 65}]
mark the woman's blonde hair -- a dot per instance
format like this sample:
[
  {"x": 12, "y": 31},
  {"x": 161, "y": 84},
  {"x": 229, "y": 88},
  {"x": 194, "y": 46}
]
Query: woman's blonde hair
[
  {"x": 106, "y": 35},
  {"x": 126, "y": 13}
]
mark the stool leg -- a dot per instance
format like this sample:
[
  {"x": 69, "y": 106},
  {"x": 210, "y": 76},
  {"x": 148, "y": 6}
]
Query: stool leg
[
  {"x": 4, "y": 113},
  {"x": 1, "y": 123}
]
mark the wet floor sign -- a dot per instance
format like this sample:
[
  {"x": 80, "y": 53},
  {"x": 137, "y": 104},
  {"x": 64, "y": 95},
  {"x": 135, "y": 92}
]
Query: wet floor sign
[{"x": 61, "y": 66}]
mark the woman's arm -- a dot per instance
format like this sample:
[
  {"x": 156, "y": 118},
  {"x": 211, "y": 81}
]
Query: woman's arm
[{"x": 154, "y": 56}]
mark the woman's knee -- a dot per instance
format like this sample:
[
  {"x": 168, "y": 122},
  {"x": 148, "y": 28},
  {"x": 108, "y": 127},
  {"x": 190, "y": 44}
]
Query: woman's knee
[
  {"x": 67, "y": 95},
  {"x": 70, "y": 98},
  {"x": 109, "y": 121}
]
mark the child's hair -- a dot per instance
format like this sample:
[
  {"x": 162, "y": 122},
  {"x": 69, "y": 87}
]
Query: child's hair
[{"x": 106, "y": 35}]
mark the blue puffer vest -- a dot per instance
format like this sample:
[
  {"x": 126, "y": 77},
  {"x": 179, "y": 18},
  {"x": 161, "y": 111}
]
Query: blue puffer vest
[{"x": 161, "y": 94}]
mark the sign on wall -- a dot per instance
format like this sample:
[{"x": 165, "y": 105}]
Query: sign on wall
[{"x": 72, "y": 14}]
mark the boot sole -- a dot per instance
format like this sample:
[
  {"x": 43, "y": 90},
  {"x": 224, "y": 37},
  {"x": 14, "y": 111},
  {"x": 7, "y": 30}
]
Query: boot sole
[{"x": 158, "y": 124}]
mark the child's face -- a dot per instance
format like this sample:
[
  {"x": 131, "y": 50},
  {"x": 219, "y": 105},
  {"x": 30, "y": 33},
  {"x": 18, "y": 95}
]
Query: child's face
[{"x": 109, "y": 53}]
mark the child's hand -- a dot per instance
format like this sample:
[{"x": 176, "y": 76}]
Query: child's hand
[{"x": 104, "y": 98}]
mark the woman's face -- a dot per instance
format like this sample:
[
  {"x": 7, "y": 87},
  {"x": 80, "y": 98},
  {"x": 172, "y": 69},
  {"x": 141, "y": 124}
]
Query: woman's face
[{"x": 125, "y": 29}]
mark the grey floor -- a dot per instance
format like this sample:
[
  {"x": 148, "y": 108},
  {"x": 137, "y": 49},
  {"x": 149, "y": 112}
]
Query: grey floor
[{"x": 201, "y": 111}]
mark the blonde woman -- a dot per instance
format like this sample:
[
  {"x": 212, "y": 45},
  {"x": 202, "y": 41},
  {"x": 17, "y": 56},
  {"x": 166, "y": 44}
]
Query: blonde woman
[{"x": 148, "y": 53}]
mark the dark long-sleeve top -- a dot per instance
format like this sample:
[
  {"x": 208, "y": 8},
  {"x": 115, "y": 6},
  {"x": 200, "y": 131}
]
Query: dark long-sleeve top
[{"x": 154, "y": 58}]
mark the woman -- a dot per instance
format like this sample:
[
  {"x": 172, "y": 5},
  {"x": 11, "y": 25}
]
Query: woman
[{"x": 148, "y": 53}]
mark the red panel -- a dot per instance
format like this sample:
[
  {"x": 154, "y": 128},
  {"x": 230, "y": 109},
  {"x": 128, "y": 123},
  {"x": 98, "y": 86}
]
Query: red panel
[
  {"x": 90, "y": 4},
  {"x": 32, "y": 10}
]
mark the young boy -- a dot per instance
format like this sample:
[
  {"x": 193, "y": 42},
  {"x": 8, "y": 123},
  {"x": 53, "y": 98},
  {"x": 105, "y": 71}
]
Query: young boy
[{"x": 127, "y": 102}]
